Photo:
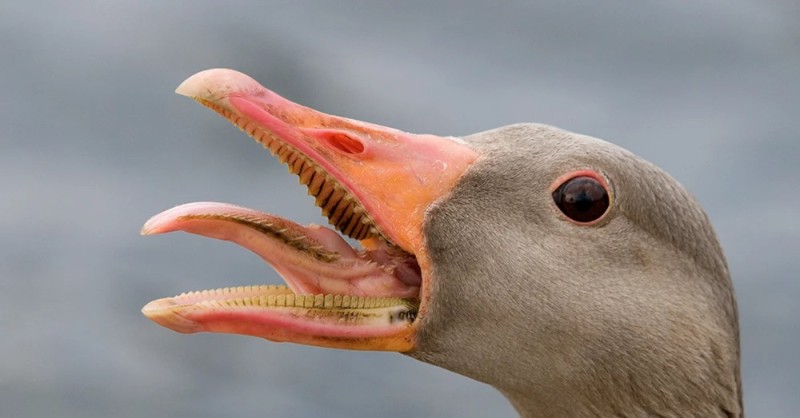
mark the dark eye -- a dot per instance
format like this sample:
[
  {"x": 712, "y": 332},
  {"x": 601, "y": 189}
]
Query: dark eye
[{"x": 582, "y": 199}]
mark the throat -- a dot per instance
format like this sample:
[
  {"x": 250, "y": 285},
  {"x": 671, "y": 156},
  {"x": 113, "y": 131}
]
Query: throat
[{"x": 621, "y": 398}]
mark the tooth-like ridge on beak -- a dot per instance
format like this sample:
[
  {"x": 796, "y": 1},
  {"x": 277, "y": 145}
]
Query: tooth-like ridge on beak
[
  {"x": 351, "y": 214},
  {"x": 236, "y": 297}
]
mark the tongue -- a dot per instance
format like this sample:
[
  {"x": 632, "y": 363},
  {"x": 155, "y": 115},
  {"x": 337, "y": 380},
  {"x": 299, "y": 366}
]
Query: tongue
[{"x": 311, "y": 259}]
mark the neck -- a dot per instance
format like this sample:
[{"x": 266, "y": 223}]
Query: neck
[
  {"x": 688, "y": 368},
  {"x": 683, "y": 361},
  {"x": 608, "y": 401}
]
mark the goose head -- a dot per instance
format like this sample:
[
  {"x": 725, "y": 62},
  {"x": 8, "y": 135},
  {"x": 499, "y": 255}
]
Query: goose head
[{"x": 575, "y": 277}]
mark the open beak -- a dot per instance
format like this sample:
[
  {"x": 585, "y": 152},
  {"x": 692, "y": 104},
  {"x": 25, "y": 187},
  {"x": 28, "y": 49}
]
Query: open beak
[{"x": 374, "y": 184}]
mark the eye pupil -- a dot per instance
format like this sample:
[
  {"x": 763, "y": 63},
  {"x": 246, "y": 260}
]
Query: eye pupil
[{"x": 582, "y": 199}]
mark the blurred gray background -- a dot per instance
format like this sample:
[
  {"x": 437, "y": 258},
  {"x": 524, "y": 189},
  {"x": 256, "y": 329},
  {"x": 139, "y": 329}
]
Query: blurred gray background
[{"x": 93, "y": 142}]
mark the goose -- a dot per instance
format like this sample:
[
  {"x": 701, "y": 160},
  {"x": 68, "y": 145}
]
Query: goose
[{"x": 573, "y": 276}]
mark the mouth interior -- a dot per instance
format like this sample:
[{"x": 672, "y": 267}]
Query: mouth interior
[{"x": 328, "y": 281}]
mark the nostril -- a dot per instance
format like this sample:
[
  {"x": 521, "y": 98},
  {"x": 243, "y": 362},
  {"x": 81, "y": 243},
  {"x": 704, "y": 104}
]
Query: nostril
[{"x": 344, "y": 143}]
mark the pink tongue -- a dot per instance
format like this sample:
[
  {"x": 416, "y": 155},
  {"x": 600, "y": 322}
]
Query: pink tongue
[
  {"x": 174, "y": 220},
  {"x": 310, "y": 259}
]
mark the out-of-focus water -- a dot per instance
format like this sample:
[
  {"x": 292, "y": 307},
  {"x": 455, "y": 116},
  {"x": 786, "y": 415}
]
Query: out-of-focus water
[{"x": 93, "y": 142}]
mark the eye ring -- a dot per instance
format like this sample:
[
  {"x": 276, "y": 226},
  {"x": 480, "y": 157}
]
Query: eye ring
[{"x": 583, "y": 197}]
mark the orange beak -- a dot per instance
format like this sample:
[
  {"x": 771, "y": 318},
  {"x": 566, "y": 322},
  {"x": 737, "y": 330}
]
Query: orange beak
[{"x": 373, "y": 183}]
